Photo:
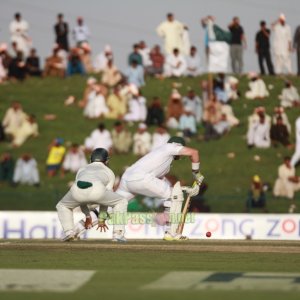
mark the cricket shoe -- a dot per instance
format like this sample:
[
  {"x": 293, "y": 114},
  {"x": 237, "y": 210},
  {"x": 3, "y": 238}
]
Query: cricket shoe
[
  {"x": 177, "y": 237},
  {"x": 69, "y": 238},
  {"x": 119, "y": 237}
]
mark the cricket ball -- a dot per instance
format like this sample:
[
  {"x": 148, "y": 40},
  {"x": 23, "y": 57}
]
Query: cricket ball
[{"x": 208, "y": 234}]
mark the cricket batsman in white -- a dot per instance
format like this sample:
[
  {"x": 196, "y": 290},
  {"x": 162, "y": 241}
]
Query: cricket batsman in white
[
  {"x": 93, "y": 186},
  {"x": 147, "y": 177}
]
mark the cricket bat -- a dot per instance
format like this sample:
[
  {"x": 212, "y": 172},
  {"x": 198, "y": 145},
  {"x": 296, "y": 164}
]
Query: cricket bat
[{"x": 183, "y": 215}]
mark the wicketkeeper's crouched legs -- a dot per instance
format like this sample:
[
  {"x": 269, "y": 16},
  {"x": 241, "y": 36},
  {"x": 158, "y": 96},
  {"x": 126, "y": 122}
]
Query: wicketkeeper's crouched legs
[{"x": 65, "y": 213}]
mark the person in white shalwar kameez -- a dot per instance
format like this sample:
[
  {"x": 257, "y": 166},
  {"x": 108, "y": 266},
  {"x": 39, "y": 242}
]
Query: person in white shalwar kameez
[
  {"x": 96, "y": 105},
  {"x": 102, "y": 59},
  {"x": 282, "y": 46},
  {"x": 296, "y": 155},
  {"x": 259, "y": 134},
  {"x": 29, "y": 128},
  {"x": 99, "y": 138},
  {"x": 193, "y": 63},
  {"x": 257, "y": 87},
  {"x": 137, "y": 110},
  {"x": 175, "y": 64},
  {"x": 19, "y": 34},
  {"x": 287, "y": 182},
  {"x": 74, "y": 159},
  {"x": 171, "y": 31},
  {"x": 141, "y": 140},
  {"x": 289, "y": 96},
  {"x": 13, "y": 119},
  {"x": 160, "y": 137},
  {"x": 26, "y": 171}
]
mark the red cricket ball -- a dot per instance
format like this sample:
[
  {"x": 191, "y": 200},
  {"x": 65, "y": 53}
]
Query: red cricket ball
[{"x": 208, "y": 234}]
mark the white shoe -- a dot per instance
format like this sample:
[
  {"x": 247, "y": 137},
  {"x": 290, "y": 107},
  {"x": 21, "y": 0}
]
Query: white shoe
[
  {"x": 176, "y": 237},
  {"x": 119, "y": 237},
  {"x": 69, "y": 238}
]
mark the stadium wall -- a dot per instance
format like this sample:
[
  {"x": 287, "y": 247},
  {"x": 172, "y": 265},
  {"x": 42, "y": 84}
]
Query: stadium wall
[{"x": 45, "y": 225}]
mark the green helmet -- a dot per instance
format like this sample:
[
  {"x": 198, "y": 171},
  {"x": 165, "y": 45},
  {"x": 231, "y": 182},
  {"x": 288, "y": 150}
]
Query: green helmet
[
  {"x": 177, "y": 140},
  {"x": 99, "y": 155}
]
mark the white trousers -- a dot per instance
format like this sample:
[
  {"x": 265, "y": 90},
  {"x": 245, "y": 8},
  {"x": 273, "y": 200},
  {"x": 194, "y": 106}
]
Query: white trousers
[
  {"x": 295, "y": 157},
  {"x": 97, "y": 194},
  {"x": 282, "y": 63},
  {"x": 285, "y": 188}
]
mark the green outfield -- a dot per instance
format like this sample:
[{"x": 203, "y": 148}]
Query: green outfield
[
  {"x": 228, "y": 179},
  {"x": 206, "y": 269}
]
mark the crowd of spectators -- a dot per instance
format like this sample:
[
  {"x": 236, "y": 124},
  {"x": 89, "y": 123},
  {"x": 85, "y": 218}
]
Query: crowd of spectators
[{"x": 118, "y": 95}]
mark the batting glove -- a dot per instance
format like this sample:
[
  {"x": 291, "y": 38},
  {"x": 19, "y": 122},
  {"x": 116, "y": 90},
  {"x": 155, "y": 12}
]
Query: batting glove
[
  {"x": 192, "y": 190},
  {"x": 198, "y": 177}
]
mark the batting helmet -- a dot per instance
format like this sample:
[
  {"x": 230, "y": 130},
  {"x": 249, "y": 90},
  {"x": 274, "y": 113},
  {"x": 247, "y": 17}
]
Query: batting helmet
[
  {"x": 99, "y": 155},
  {"x": 177, "y": 140}
]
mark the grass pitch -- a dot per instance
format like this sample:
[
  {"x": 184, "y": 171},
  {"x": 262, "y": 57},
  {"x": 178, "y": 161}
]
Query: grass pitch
[{"x": 124, "y": 271}]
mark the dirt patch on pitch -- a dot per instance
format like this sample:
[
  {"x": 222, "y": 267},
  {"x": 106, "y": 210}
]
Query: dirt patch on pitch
[{"x": 148, "y": 246}]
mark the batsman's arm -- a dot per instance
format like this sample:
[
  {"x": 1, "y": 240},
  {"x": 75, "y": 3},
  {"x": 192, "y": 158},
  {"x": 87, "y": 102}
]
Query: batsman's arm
[{"x": 194, "y": 156}]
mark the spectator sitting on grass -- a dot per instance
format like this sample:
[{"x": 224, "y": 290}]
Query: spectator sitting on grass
[
  {"x": 192, "y": 101},
  {"x": 259, "y": 134},
  {"x": 280, "y": 113},
  {"x": 135, "y": 74},
  {"x": 174, "y": 110},
  {"x": 159, "y": 137},
  {"x": 223, "y": 126},
  {"x": 256, "y": 195},
  {"x": 279, "y": 134},
  {"x": 96, "y": 104},
  {"x": 75, "y": 65},
  {"x": 28, "y": 128},
  {"x": 157, "y": 60},
  {"x": 257, "y": 87},
  {"x": 117, "y": 105},
  {"x": 13, "y": 119},
  {"x": 85, "y": 56},
  {"x": 56, "y": 153},
  {"x": 187, "y": 123},
  {"x": 74, "y": 160},
  {"x": 121, "y": 137},
  {"x": 6, "y": 167},
  {"x": 99, "y": 138},
  {"x": 287, "y": 182},
  {"x": 33, "y": 64},
  {"x": 155, "y": 113},
  {"x": 89, "y": 88},
  {"x": 102, "y": 59},
  {"x": 26, "y": 171},
  {"x": 17, "y": 67},
  {"x": 289, "y": 96},
  {"x": 54, "y": 65},
  {"x": 141, "y": 140},
  {"x": 135, "y": 56},
  {"x": 111, "y": 75},
  {"x": 175, "y": 65}
]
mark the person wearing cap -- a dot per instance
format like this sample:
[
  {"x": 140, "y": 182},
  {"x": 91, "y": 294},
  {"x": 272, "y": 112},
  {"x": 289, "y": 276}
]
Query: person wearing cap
[
  {"x": 111, "y": 75},
  {"x": 287, "y": 182},
  {"x": 258, "y": 134},
  {"x": 81, "y": 32},
  {"x": 61, "y": 30},
  {"x": 141, "y": 140},
  {"x": 93, "y": 186},
  {"x": 257, "y": 87},
  {"x": 194, "y": 102},
  {"x": 56, "y": 153},
  {"x": 282, "y": 46},
  {"x": 174, "y": 109},
  {"x": 102, "y": 59},
  {"x": 256, "y": 195},
  {"x": 171, "y": 31},
  {"x": 147, "y": 177}
]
